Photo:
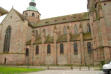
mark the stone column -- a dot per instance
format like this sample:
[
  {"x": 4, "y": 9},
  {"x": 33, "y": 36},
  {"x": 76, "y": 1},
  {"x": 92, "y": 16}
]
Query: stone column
[
  {"x": 55, "y": 46},
  {"x": 43, "y": 47},
  {"x": 31, "y": 51},
  {"x": 105, "y": 40},
  {"x": 69, "y": 45},
  {"x": 82, "y": 51},
  {"x": 93, "y": 35}
]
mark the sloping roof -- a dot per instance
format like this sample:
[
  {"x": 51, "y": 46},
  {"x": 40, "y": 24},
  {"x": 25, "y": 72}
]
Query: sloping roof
[
  {"x": 62, "y": 19},
  {"x": 3, "y": 11},
  {"x": 19, "y": 14}
]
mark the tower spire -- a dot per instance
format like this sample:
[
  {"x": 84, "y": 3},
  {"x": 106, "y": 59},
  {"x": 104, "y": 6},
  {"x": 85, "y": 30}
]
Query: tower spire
[
  {"x": 32, "y": 6},
  {"x": 32, "y": 14}
]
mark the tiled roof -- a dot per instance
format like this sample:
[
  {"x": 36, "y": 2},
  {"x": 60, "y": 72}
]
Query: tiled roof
[
  {"x": 62, "y": 19},
  {"x": 3, "y": 11}
]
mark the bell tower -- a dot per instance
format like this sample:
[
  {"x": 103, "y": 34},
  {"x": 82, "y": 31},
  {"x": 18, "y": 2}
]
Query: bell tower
[{"x": 32, "y": 14}]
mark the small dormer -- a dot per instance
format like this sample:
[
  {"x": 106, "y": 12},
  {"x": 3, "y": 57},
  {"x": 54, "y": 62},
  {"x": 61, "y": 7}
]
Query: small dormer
[{"x": 32, "y": 14}]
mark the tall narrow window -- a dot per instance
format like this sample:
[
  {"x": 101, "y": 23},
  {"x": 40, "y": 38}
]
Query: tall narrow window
[
  {"x": 75, "y": 48},
  {"x": 5, "y": 61},
  {"x": 75, "y": 29},
  {"x": 89, "y": 28},
  {"x": 37, "y": 50},
  {"x": 61, "y": 49},
  {"x": 65, "y": 30},
  {"x": 7, "y": 40},
  {"x": 27, "y": 52},
  {"x": 33, "y": 14},
  {"x": 89, "y": 47},
  {"x": 48, "y": 49}
]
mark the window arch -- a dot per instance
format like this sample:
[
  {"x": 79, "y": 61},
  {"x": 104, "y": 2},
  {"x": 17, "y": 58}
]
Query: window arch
[
  {"x": 37, "y": 50},
  {"x": 33, "y": 14},
  {"x": 75, "y": 48},
  {"x": 27, "y": 52},
  {"x": 48, "y": 49},
  {"x": 88, "y": 28},
  {"x": 7, "y": 40},
  {"x": 65, "y": 30},
  {"x": 61, "y": 48},
  {"x": 89, "y": 47},
  {"x": 75, "y": 29}
]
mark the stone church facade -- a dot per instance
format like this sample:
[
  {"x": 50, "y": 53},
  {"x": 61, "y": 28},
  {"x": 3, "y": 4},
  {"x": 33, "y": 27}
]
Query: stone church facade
[{"x": 83, "y": 38}]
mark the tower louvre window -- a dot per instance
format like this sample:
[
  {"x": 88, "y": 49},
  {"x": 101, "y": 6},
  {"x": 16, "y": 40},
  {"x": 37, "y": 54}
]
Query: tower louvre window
[{"x": 33, "y": 14}]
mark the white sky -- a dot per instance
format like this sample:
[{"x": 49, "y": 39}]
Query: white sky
[{"x": 48, "y": 8}]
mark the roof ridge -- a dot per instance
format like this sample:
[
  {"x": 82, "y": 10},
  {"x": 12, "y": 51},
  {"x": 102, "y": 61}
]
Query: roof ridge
[
  {"x": 62, "y": 19},
  {"x": 64, "y": 16}
]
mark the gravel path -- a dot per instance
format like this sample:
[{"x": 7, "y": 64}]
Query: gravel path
[{"x": 67, "y": 72}]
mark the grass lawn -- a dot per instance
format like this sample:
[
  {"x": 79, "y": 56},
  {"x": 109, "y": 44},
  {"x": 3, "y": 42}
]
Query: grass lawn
[{"x": 16, "y": 70}]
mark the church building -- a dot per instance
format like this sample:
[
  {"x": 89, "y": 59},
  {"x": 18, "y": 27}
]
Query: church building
[{"x": 77, "y": 39}]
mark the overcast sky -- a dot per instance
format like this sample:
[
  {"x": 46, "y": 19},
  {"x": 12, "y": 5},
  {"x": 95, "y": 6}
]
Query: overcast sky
[{"x": 48, "y": 8}]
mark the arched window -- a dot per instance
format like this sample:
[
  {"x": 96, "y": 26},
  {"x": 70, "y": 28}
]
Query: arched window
[
  {"x": 75, "y": 29},
  {"x": 7, "y": 40},
  {"x": 89, "y": 28},
  {"x": 27, "y": 52},
  {"x": 65, "y": 30},
  {"x": 89, "y": 47},
  {"x": 48, "y": 49},
  {"x": 37, "y": 50},
  {"x": 33, "y": 14},
  {"x": 75, "y": 48},
  {"x": 61, "y": 48}
]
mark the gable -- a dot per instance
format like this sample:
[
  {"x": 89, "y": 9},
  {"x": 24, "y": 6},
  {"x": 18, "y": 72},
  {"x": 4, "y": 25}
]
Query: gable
[{"x": 13, "y": 15}]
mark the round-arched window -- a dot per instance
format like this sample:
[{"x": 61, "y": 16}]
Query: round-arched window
[{"x": 33, "y": 14}]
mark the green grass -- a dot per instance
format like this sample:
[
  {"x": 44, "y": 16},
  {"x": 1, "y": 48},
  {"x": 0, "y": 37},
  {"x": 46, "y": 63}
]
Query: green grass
[{"x": 16, "y": 70}]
